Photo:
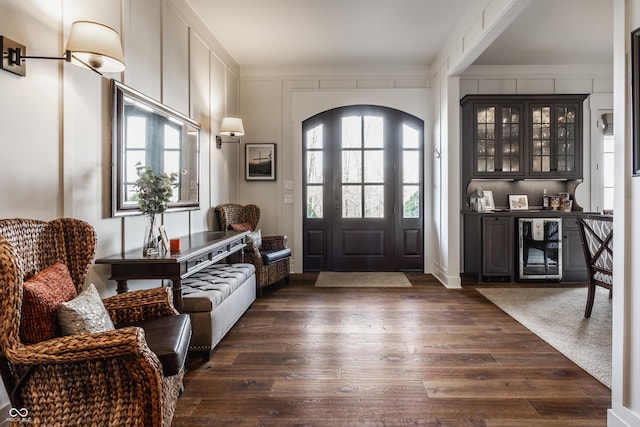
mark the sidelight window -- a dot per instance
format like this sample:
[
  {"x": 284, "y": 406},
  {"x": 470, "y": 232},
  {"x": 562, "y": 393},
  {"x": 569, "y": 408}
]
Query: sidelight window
[{"x": 315, "y": 172}]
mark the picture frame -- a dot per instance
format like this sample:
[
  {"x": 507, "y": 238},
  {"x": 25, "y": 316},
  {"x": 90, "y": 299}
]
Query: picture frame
[
  {"x": 635, "y": 101},
  {"x": 165, "y": 239},
  {"x": 260, "y": 162},
  {"x": 518, "y": 202},
  {"x": 489, "y": 204}
]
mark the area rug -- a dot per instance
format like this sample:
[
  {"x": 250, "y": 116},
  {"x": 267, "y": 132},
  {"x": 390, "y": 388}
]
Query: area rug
[
  {"x": 557, "y": 316},
  {"x": 335, "y": 279}
]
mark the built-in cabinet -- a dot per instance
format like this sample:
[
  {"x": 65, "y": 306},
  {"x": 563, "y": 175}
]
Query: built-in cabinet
[
  {"x": 574, "y": 267},
  {"x": 524, "y": 145},
  {"x": 516, "y": 136},
  {"x": 491, "y": 246},
  {"x": 497, "y": 243}
]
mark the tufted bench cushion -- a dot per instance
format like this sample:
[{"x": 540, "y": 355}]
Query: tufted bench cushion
[{"x": 215, "y": 298}]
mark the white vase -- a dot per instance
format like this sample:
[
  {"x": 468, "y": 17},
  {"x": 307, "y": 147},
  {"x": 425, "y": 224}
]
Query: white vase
[{"x": 151, "y": 244}]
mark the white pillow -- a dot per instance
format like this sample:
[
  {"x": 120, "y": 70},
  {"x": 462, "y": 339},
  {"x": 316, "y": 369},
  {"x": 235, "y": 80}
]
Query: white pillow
[
  {"x": 84, "y": 314},
  {"x": 256, "y": 238}
]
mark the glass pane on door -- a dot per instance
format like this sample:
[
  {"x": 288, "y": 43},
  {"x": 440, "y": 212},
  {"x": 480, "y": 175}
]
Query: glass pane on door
[
  {"x": 351, "y": 166},
  {"x": 374, "y": 201},
  {"x": 314, "y": 201},
  {"x": 352, "y": 201},
  {"x": 373, "y": 132},
  {"x": 374, "y": 166},
  {"x": 352, "y": 132}
]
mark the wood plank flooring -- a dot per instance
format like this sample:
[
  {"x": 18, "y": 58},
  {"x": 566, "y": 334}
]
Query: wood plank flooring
[{"x": 426, "y": 356}]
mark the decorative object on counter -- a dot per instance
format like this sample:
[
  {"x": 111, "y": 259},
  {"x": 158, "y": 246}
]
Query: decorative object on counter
[
  {"x": 489, "y": 204},
  {"x": 554, "y": 202},
  {"x": 165, "y": 238},
  {"x": 566, "y": 203},
  {"x": 545, "y": 199},
  {"x": 476, "y": 200},
  {"x": 153, "y": 193},
  {"x": 518, "y": 202},
  {"x": 174, "y": 245}
]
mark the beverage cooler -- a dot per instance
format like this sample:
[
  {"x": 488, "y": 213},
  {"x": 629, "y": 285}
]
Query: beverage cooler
[{"x": 540, "y": 248}]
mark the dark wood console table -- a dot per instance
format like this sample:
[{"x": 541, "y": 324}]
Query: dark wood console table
[{"x": 197, "y": 251}]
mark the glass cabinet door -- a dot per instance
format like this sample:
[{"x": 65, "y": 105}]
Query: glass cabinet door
[
  {"x": 497, "y": 140},
  {"x": 553, "y": 140}
]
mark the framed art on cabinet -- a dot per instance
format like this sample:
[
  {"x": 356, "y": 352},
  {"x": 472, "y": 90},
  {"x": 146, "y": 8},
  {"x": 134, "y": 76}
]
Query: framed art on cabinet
[
  {"x": 489, "y": 204},
  {"x": 518, "y": 202},
  {"x": 260, "y": 162}
]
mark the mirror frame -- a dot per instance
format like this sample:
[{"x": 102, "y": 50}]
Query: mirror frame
[{"x": 119, "y": 92}]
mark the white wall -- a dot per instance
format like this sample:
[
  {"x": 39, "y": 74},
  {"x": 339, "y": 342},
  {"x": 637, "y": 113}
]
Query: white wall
[
  {"x": 625, "y": 390},
  {"x": 56, "y": 121},
  {"x": 274, "y": 102}
]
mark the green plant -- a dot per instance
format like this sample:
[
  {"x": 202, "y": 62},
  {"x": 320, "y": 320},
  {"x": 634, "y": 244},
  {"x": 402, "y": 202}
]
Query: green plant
[{"x": 154, "y": 191}]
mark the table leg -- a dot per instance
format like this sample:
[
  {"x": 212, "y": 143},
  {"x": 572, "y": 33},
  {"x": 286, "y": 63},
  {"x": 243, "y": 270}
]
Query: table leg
[
  {"x": 122, "y": 286},
  {"x": 177, "y": 294}
]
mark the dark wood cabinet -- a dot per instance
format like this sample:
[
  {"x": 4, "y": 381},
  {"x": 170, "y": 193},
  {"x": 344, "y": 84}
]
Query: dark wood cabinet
[
  {"x": 522, "y": 136},
  {"x": 197, "y": 251},
  {"x": 491, "y": 247},
  {"x": 494, "y": 139},
  {"x": 574, "y": 268},
  {"x": 497, "y": 247},
  {"x": 555, "y": 138},
  {"x": 488, "y": 247}
]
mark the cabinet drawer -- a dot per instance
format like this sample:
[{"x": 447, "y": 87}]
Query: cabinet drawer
[{"x": 199, "y": 262}]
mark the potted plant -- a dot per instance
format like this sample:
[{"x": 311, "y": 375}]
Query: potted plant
[{"x": 153, "y": 193}]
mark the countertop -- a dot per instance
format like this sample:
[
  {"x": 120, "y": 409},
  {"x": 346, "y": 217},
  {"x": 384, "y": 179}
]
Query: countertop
[{"x": 526, "y": 213}]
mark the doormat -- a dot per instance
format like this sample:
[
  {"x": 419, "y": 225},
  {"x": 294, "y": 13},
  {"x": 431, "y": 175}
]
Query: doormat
[{"x": 368, "y": 279}]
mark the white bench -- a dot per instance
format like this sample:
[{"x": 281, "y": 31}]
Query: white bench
[{"x": 215, "y": 298}]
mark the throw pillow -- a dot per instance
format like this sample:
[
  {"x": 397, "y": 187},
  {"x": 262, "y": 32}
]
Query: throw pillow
[
  {"x": 256, "y": 238},
  {"x": 41, "y": 296},
  {"x": 243, "y": 226},
  {"x": 84, "y": 314}
]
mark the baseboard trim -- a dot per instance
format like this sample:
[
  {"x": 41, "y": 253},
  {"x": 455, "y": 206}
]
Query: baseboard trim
[
  {"x": 613, "y": 420},
  {"x": 448, "y": 282}
]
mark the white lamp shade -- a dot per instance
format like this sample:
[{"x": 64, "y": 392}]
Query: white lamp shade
[
  {"x": 231, "y": 126},
  {"x": 97, "y": 45}
]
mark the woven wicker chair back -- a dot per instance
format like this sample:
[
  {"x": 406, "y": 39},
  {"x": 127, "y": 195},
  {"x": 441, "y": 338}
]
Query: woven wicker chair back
[{"x": 232, "y": 213}]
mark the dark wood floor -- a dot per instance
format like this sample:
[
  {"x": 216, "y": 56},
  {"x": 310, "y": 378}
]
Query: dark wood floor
[{"x": 427, "y": 356}]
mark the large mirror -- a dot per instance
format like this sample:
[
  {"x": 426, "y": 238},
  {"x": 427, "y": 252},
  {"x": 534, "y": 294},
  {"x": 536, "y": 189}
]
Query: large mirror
[{"x": 148, "y": 133}]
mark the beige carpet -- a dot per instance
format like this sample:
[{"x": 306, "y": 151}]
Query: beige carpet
[
  {"x": 557, "y": 316},
  {"x": 335, "y": 279}
]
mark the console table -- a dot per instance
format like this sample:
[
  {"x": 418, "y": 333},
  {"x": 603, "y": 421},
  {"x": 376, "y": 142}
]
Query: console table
[{"x": 197, "y": 251}]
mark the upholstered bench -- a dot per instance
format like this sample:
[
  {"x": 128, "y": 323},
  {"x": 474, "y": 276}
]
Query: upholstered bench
[{"x": 215, "y": 298}]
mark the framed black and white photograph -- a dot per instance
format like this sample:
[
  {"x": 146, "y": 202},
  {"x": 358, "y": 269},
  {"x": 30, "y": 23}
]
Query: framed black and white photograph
[
  {"x": 518, "y": 202},
  {"x": 165, "y": 238},
  {"x": 489, "y": 203},
  {"x": 635, "y": 99},
  {"x": 260, "y": 162}
]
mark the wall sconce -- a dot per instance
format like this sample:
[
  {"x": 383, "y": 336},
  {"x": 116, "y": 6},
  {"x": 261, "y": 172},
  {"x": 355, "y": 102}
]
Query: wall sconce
[
  {"x": 232, "y": 127},
  {"x": 91, "y": 44}
]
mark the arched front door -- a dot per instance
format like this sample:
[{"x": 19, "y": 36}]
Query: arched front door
[{"x": 363, "y": 190}]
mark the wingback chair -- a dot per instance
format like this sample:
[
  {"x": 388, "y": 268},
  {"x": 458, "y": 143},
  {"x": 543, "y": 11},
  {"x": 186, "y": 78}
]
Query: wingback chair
[
  {"x": 104, "y": 378},
  {"x": 596, "y": 232},
  {"x": 269, "y": 254}
]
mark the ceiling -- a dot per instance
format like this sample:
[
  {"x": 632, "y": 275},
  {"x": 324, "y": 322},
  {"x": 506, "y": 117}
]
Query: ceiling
[{"x": 405, "y": 32}]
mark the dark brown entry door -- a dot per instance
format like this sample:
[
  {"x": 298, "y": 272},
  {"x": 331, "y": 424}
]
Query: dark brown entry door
[{"x": 363, "y": 190}]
